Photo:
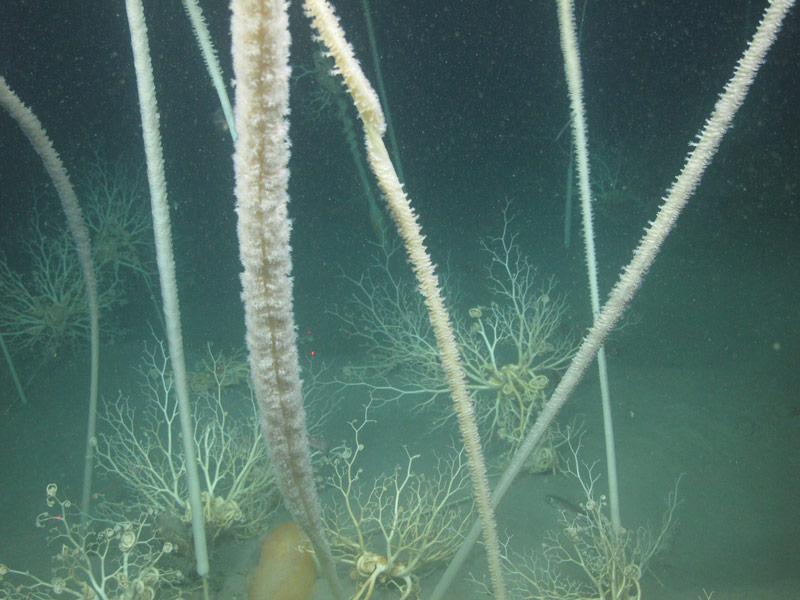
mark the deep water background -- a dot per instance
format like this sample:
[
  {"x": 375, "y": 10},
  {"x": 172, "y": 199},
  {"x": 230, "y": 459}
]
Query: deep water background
[{"x": 704, "y": 384}]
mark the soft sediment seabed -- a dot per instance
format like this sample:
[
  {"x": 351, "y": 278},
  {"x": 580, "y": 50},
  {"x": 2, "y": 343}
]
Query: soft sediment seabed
[{"x": 731, "y": 429}]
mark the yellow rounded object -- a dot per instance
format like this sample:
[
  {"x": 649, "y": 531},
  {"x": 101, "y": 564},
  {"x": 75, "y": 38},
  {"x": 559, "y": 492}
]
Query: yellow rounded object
[{"x": 286, "y": 570}]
